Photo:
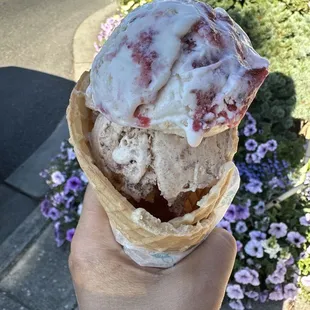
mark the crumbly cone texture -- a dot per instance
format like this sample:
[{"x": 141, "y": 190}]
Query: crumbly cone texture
[
  {"x": 138, "y": 161},
  {"x": 138, "y": 226}
]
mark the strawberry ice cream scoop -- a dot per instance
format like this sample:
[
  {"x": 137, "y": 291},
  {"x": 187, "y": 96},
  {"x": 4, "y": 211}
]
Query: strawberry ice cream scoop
[{"x": 177, "y": 66}]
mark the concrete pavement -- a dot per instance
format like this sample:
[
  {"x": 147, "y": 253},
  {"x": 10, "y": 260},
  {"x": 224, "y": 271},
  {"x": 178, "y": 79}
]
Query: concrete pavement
[{"x": 36, "y": 35}]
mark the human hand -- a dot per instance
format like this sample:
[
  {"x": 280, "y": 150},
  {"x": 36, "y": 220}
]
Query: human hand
[{"x": 105, "y": 277}]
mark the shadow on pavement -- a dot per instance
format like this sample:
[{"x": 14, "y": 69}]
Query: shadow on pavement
[{"x": 32, "y": 104}]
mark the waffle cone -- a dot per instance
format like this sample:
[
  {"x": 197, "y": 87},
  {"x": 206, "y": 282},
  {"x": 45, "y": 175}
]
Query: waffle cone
[{"x": 138, "y": 226}]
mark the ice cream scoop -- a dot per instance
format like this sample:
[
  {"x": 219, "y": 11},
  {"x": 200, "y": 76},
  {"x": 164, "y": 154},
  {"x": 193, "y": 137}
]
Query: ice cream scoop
[{"x": 180, "y": 67}]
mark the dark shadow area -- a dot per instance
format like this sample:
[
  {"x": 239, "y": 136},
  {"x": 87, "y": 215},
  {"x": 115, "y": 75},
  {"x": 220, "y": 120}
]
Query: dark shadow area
[
  {"x": 272, "y": 108},
  {"x": 32, "y": 104}
]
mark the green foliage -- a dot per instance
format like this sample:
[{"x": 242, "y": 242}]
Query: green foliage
[
  {"x": 280, "y": 31},
  {"x": 272, "y": 109}
]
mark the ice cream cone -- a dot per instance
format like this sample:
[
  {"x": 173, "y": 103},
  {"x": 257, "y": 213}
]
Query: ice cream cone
[{"x": 138, "y": 226}]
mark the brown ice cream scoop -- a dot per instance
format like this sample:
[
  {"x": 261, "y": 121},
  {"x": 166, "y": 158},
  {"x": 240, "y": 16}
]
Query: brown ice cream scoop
[{"x": 156, "y": 170}]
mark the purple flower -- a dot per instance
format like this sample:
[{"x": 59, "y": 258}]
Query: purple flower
[
  {"x": 59, "y": 241},
  {"x": 45, "y": 207},
  {"x": 68, "y": 219},
  {"x": 259, "y": 208},
  {"x": 278, "y": 230},
  {"x": 239, "y": 246},
  {"x": 290, "y": 291},
  {"x": 276, "y": 295},
  {"x": 63, "y": 146},
  {"x": 99, "y": 37},
  {"x": 275, "y": 278},
  {"x": 230, "y": 214},
  {"x": 69, "y": 234},
  {"x": 248, "y": 158},
  {"x": 59, "y": 235},
  {"x": 43, "y": 174},
  {"x": 263, "y": 296},
  {"x": 249, "y": 130},
  {"x": 70, "y": 154},
  {"x": 57, "y": 178},
  {"x": 79, "y": 209},
  {"x": 58, "y": 198},
  {"x": 275, "y": 182},
  {"x": 83, "y": 177},
  {"x": 250, "y": 119},
  {"x": 68, "y": 202},
  {"x": 272, "y": 145},
  {"x": 290, "y": 261},
  {"x": 296, "y": 238},
  {"x": 303, "y": 221},
  {"x": 252, "y": 294},
  {"x": 255, "y": 158},
  {"x": 242, "y": 213},
  {"x": 251, "y": 145},
  {"x": 255, "y": 186},
  {"x": 73, "y": 184},
  {"x": 281, "y": 268},
  {"x": 57, "y": 225},
  {"x": 257, "y": 235},
  {"x": 262, "y": 150},
  {"x": 243, "y": 276},
  {"x": 53, "y": 214},
  {"x": 254, "y": 248},
  {"x": 234, "y": 291},
  {"x": 236, "y": 305},
  {"x": 224, "y": 224},
  {"x": 248, "y": 203},
  {"x": 241, "y": 227},
  {"x": 255, "y": 280},
  {"x": 305, "y": 281}
]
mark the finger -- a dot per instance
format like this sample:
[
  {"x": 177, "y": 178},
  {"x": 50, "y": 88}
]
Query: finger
[
  {"x": 208, "y": 268},
  {"x": 94, "y": 230}
]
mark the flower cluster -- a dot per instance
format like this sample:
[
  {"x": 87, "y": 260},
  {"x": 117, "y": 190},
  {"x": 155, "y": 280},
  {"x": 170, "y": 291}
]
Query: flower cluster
[
  {"x": 106, "y": 30},
  {"x": 63, "y": 202},
  {"x": 304, "y": 262},
  {"x": 269, "y": 241}
]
